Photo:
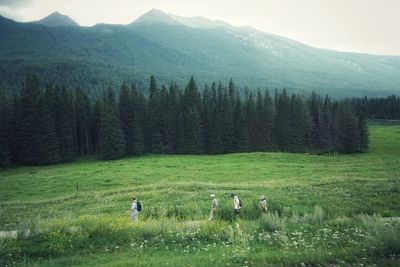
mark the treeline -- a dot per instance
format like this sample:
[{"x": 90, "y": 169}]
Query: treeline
[
  {"x": 44, "y": 126},
  {"x": 378, "y": 108}
]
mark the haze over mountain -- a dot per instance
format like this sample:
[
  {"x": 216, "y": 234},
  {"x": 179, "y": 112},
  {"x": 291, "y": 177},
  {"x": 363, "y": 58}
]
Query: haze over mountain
[{"x": 174, "y": 48}]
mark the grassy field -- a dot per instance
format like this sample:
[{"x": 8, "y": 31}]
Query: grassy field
[{"x": 321, "y": 210}]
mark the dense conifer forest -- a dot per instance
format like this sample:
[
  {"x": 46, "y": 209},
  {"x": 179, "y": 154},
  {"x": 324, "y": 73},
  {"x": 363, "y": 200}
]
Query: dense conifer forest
[{"x": 53, "y": 124}]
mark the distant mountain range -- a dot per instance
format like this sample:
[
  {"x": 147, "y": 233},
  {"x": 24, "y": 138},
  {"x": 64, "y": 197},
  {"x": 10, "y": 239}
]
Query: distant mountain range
[{"x": 175, "y": 48}]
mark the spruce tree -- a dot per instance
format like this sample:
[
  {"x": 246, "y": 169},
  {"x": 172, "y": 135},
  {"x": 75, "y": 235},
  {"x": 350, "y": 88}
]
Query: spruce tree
[
  {"x": 112, "y": 142},
  {"x": 206, "y": 119},
  {"x": 82, "y": 123},
  {"x": 349, "y": 130},
  {"x": 139, "y": 109},
  {"x": 5, "y": 123},
  {"x": 191, "y": 140},
  {"x": 65, "y": 124},
  {"x": 49, "y": 151},
  {"x": 127, "y": 113},
  {"x": 216, "y": 145},
  {"x": 268, "y": 116},
  {"x": 154, "y": 140},
  {"x": 27, "y": 132},
  {"x": 282, "y": 121},
  {"x": 298, "y": 124}
]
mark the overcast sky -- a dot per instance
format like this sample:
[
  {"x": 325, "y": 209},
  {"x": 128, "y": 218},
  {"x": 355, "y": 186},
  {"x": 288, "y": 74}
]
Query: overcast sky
[{"x": 369, "y": 26}]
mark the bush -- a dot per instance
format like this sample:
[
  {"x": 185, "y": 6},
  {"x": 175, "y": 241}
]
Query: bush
[
  {"x": 317, "y": 217},
  {"x": 383, "y": 235},
  {"x": 271, "y": 222}
]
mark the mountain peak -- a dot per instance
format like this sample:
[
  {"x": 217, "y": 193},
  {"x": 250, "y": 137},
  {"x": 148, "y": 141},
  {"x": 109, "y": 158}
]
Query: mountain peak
[
  {"x": 156, "y": 16},
  {"x": 56, "y": 19}
]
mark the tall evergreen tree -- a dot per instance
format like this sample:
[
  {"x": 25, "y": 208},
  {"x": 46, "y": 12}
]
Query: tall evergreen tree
[
  {"x": 216, "y": 144},
  {"x": 112, "y": 142},
  {"x": 139, "y": 109},
  {"x": 49, "y": 151},
  {"x": 282, "y": 121},
  {"x": 268, "y": 115},
  {"x": 298, "y": 124},
  {"x": 154, "y": 140},
  {"x": 82, "y": 123},
  {"x": 349, "y": 131},
  {"x": 5, "y": 123},
  {"x": 127, "y": 113},
  {"x": 27, "y": 132}
]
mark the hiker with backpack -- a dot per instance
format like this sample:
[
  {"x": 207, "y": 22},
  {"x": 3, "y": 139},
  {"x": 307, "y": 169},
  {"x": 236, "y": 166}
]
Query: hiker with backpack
[
  {"x": 135, "y": 209},
  {"x": 237, "y": 203},
  {"x": 214, "y": 207},
  {"x": 263, "y": 204}
]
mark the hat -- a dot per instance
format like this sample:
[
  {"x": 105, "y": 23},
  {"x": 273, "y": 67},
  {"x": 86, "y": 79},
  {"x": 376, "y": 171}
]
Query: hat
[
  {"x": 262, "y": 197},
  {"x": 212, "y": 195},
  {"x": 233, "y": 194}
]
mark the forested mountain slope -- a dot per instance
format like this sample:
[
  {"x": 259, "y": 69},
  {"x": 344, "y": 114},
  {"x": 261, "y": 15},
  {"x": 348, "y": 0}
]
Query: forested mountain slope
[{"x": 167, "y": 46}]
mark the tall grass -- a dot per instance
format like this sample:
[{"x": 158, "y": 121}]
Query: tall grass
[
  {"x": 383, "y": 235},
  {"x": 271, "y": 222}
]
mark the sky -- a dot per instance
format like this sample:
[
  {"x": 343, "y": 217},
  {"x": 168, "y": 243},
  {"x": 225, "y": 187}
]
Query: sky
[{"x": 366, "y": 26}]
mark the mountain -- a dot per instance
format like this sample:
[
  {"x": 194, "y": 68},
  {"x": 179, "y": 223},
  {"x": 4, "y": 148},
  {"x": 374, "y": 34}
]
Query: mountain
[
  {"x": 56, "y": 19},
  {"x": 174, "y": 48}
]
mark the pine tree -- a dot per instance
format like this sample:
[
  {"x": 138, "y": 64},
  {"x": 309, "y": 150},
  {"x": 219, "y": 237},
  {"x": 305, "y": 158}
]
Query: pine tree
[
  {"x": 268, "y": 115},
  {"x": 282, "y": 122},
  {"x": 241, "y": 129},
  {"x": 27, "y": 132},
  {"x": 229, "y": 119},
  {"x": 95, "y": 126},
  {"x": 154, "y": 141},
  {"x": 349, "y": 131},
  {"x": 191, "y": 140},
  {"x": 82, "y": 123},
  {"x": 260, "y": 135},
  {"x": 298, "y": 124},
  {"x": 216, "y": 145},
  {"x": 127, "y": 113},
  {"x": 206, "y": 119},
  {"x": 364, "y": 140},
  {"x": 112, "y": 142},
  {"x": 139, "y": 109},
  {"x": 49, "y": 151},
  {"x": 250, "y": 113},
  {"x": 5, "y": 123}
]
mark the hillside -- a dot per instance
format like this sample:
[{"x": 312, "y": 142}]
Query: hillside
[{"x": 174, "y": 48}]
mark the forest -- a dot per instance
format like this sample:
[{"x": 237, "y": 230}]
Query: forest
[{"x": 41, "y": 126}]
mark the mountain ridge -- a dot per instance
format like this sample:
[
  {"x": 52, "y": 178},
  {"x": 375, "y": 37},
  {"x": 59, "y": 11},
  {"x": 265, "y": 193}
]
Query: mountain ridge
[
  {"x": 159, "y": 44},
  {"x": 56, "y": 19}
]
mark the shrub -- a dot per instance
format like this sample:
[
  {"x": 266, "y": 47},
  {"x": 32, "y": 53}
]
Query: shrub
[
  {"x": 383, "y": 236},
  {"x": 271, "y": 222},
  {"x": 317, "y": 217}
]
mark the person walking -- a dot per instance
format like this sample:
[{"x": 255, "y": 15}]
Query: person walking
[
  {"x": 263, "y": 204},
  {"x": 214, "y": 207},
  {"x": 237, "y": 204},
  {"x": 134, "y": 210}
]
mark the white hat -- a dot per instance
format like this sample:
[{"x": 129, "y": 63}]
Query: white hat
[{"x": 212, "y": 195}]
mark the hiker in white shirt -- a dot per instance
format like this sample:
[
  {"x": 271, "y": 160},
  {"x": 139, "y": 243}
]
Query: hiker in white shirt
[
  {"x": 236, "y": 203},
  {"x": 134, "y": 211},
  {"x": 214, "y": 207},
  {"x": 263, "y": 204}
]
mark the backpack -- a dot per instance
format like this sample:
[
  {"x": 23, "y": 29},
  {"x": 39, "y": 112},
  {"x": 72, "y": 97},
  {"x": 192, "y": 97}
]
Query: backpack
[
  {"x": 240, "y": 202},
  {"x": 138, "y": 206}
]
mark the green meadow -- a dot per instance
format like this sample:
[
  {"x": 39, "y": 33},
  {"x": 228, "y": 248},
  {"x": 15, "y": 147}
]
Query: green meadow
[{"x": 334, "y": 210}]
